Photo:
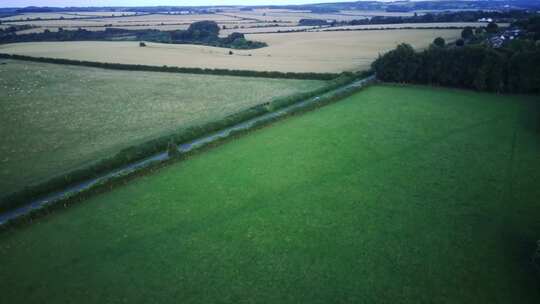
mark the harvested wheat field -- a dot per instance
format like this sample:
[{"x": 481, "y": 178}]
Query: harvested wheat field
[{"x": 287, "y": 52}]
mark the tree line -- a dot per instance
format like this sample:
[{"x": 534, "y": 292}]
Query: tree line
[
  {"x": 173, "y": 69},
  {"x": 446, "y": 17},
  {"x": 512, "y": 69}
]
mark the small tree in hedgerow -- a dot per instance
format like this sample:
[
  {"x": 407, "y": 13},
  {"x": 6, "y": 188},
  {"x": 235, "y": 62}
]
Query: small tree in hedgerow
[
  {"x": 172, "y": 150},
  {"x": 467, "y": 33}
]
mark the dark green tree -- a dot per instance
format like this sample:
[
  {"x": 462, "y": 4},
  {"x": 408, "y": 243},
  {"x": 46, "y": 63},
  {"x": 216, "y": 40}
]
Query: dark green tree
[
  {"x": 399, "y": 65},
  {"x": 439, "y": 42},
  {"x": 467, "y": 33},
  {"x": 492, "y": 28}
]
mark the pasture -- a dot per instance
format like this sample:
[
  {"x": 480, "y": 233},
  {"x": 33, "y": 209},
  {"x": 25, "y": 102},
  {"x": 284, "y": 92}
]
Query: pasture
[
  {"x": 393, "y": 195},
  {"x": 287, "y": 52},
  {"x": 57, "y": 118}
]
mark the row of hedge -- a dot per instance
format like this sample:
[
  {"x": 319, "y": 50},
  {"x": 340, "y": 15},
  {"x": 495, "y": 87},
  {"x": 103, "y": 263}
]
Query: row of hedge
[
  {"x": 169, "y": 69},
  {"x": 125, "y": 178},
  {"x": 138, "y": 152}
]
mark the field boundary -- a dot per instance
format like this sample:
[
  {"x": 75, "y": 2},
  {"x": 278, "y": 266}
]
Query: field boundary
[
  {"x": 33, "y": 203},
  {"x": 331, "y": 29},
  {"x": 172, "y": 69}
]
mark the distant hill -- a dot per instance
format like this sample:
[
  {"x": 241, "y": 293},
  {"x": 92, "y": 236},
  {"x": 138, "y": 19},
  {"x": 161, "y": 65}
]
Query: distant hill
[{"x": 396, "y": 6}]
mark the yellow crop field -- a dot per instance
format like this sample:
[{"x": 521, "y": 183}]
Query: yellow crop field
[{"x": 287, "y": 52}]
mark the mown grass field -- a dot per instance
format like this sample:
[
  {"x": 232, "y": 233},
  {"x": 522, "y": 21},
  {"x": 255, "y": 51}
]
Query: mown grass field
[
  {"x": 322, "y": 52},
  {"x": 56, "y": 118},
  {"x": 393, "y": 195}
]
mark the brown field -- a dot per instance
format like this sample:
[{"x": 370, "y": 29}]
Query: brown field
[
  {"x": 154, "y": 21},
  {"x": 140, "y": 19},
  {"x": 234, "y": 20},
  {"x": 101, "y": 14},
  {"x": 291, "y": 17},
  {"x": 287, "y": 52}
]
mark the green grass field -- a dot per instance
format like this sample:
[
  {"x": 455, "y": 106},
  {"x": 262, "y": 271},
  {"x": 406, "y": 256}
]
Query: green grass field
[
  {"x": 393, "y": 195},
  {"x": 57, "y": 118}
]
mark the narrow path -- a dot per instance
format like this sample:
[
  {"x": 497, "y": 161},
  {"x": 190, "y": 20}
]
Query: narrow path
[{"x": 163, "y": 156}]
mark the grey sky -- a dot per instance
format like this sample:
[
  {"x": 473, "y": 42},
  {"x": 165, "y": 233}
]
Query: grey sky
[{"x": 61, "y": 3}]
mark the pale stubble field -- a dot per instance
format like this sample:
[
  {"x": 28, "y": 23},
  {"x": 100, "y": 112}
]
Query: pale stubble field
[{"x": 323, "y": 52}]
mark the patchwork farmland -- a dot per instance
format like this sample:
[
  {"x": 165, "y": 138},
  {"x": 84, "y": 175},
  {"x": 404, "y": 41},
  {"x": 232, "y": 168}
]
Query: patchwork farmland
[
  {"x": 379, "y": 198},
  {"x": 362, "y": 152}
]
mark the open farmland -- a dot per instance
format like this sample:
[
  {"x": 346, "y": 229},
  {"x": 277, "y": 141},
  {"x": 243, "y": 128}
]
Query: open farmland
[
  {"x": 287, "y": 52},
  {"x": 56, "y": 118},
  {"x": 393, "y": 195}
]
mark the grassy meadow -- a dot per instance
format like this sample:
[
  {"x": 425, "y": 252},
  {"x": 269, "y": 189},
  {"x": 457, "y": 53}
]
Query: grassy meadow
[
  {"x": 56, "y": 118},
  {"x": 393, "y": 195},
  {"x": 321, "y": 52}
]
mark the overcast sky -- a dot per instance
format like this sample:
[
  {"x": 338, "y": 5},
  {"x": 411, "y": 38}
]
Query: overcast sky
[{"x": 22, "y": 3}]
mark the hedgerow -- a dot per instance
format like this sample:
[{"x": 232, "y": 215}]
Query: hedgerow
[
  {"x": 185, "y": 135},
  {"x": 170, "y": 69}
]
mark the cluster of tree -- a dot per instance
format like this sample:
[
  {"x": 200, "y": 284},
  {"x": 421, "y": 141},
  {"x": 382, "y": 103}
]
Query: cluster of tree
[
  {"x": 512, "y": 69},
  {"x": 13, "y": 29},
  {"x": 203, "y": 32},
  {"x": 531, "y": 26}
]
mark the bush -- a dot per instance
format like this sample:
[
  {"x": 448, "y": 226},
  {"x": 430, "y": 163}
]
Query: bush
[
  {"x": 492, "y": 28},
  {"x": 439, "y": 42},
  {"x": 467, "y": 33}
]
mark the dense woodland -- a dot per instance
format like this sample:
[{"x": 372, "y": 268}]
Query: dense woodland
[
  {"x": 203, "y": 32},
  {"x": 471, "y": 63}
]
